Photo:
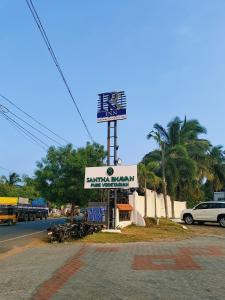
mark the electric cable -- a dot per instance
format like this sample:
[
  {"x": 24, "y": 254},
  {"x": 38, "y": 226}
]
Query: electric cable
[
  {"x": 3, "y": 168},
  {"x": 32, "y": 118},
  {"x": 25, "y": 135},
  {"x": 55, "y": 60},
  {"x": 31, "y": 136},
  {"x": 23, "y": 131},
  {"x": 2, "y": 107}
]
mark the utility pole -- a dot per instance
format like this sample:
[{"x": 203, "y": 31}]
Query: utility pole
[
  {"x": 112, "y": 160},
  {"x": 111, "y": 107}
]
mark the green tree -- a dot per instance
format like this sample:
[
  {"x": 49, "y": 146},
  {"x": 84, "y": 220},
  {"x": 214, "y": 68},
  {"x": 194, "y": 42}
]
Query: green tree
[
  {"x": 216, "y": 163},
  {"x": 148, "y": 179},
  {"x": 60, "y": 175},
  {"x": 160, "y": 135},
  {"x": 185, "y": 160},
  {"x": 12, "y": 179}
]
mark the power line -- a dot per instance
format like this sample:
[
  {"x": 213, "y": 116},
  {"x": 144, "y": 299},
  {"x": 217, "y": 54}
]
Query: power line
[
  {"x": 28, "y": 134},
  {"x": 3, "y": 168},
  {"x": 32, "y": 118},
  {"x": 25, "y": 132},
  {"x": 2, "y": 108},
  {"x": 55, "y": 60}
]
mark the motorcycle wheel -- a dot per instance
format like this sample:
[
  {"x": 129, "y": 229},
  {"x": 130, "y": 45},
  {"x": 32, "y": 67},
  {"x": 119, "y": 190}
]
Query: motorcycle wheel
[{"x": 61, "y": 237}]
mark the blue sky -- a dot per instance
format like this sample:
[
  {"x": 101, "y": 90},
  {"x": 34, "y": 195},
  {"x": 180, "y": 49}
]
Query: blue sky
[{"x": 168, "y": 55}]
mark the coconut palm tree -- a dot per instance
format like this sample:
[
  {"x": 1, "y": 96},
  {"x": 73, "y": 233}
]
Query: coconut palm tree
[
  {"x": 148, "y": 178},
  {"x": 217, "y": 167},
  {"x": 160, "y": 135},
  {"x": 183, "y": 156},
  {"x": 180, "y": 172},
  {"x": 12, "y": 179}
]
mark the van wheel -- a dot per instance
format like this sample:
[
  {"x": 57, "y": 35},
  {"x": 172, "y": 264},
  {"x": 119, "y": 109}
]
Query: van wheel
[
  {"x": 188, "y": 219},
  {"x": 222, "y": 221}
]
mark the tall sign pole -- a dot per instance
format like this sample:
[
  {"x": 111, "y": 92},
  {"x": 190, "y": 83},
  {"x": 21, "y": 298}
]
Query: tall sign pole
[
  {"x": 112, "y": 107},
  {"x": 115, "y": 163},
  {"x": 108, "y": 164}
]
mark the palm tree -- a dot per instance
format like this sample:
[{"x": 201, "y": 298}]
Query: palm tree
[
  {"x": 217, "y": 167},
  {"x": 148, "y": 178},
  {"x": 180, "y": 172},
  {"x": 142, "y": 179},
  {"x": 13, "y": 179},
  {"x": 160, "y": 135},
  {"x": 183, "y": 157}
]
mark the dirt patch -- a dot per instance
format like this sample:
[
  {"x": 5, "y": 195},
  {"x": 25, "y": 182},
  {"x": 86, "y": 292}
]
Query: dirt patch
[
  {"x": 208, "y": 229},
  {"x": 166, "y": 230},
  {"x": 19, "y": 249}
]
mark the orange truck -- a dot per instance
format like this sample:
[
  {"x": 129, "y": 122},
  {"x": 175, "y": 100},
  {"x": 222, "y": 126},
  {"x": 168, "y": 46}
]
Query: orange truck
[
  {"x": 8, "y": 212},
  {"x": 13, "y": 209}
]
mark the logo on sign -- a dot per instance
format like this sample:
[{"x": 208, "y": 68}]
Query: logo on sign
[
  {"x": 110, "y": 171},
  {"x": 111, "y": 106}
]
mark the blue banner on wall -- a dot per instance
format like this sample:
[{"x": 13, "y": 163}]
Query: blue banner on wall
[{"x": 96, "y": 214}]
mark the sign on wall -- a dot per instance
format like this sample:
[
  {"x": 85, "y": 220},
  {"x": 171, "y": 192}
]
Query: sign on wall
[
  {"x": 96, "y": 214},
  {"x": 112, "y": 177},
  {"x": 111, "y": 106}
]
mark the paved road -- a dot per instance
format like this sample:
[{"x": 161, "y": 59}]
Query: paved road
[
  {"x": 189, "y": 269},
  {"x": 23, "y": 232}
]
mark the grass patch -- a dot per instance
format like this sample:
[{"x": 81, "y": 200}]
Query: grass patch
[
  {"x": 149, "y": 222},
  {"x": 166, "y": 230}
]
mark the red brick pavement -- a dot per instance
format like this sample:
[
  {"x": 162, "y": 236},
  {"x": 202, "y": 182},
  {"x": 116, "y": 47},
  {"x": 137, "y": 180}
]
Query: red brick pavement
[
  {"x": 164, "y": 262},
  {"x": 60, "y": 277},
  {"x": 206, "y": 251},
  {"x": 182, "y": 261}
]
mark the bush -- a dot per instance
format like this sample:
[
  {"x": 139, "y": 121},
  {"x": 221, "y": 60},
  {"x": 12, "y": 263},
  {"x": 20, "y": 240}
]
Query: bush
[{"x": 150, "y": 222}]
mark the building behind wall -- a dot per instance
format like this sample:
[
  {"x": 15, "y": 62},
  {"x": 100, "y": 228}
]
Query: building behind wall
[
  {"x": 219, "y": 196},
  {"x": 131, "y": 207},
  {"x": 133, "y": 210}
]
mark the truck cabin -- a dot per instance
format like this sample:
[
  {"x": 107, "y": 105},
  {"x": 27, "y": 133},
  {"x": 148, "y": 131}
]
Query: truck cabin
[{"x": 8, "y": 214}]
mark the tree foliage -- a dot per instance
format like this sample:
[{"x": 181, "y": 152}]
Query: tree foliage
[
  {"x": 193, "y": 167},
  {"x": 25, "y": 190},
  {"x": 60, "y": 175}
]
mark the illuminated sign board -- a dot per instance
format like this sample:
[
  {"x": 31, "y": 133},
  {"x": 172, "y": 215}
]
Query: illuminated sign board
[
  {"x": 111, "y": 107},
  {"x": 111, "y": 177}
]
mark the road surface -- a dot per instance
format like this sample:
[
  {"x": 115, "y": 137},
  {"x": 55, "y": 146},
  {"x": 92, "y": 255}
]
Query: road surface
[{"x": 23, "y": 232}]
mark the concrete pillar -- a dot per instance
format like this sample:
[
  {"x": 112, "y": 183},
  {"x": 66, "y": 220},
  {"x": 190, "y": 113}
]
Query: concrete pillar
[{"x": 117, "y": 218}]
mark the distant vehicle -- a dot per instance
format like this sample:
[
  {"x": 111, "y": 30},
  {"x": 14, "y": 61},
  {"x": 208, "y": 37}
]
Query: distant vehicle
[
  {"x": 213, "y": 211},
  {"x": 10, "y": 214},
  {"x": 12, "y": 210}
]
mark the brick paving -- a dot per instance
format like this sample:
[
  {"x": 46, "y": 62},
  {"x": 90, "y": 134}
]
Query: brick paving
[
  {"x": 189, "y": 269},
  {"x": 60, "y": 277}
]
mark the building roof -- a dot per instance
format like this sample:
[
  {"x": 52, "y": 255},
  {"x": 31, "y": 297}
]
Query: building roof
[{"x": 125, "y": 207}]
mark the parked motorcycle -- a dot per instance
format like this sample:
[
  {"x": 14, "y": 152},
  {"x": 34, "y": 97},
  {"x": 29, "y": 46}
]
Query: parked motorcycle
[
  {"x": 58, "y": 233},
  {"x": 67, "y": 231}
]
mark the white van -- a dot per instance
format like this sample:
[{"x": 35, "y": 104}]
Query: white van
[{"x": 213, "y": 211}]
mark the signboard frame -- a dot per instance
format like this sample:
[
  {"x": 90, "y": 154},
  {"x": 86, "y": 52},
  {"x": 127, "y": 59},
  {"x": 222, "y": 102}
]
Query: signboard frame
[
  {"x": 111, "y": 177},
  {"x": 111, "y": 106}
]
